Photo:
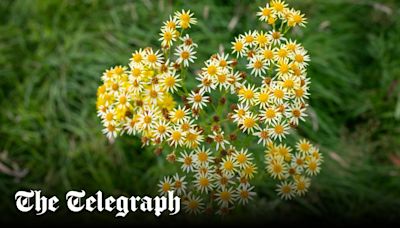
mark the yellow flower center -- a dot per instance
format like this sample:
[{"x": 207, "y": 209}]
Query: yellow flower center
[
  {"x": 188, "y": 161},
  {"x": 266, "y": 12},
  {"x": 193, "y": 204},
  {"x": 249, "y": 122},
  {"x": 147, "y": 119},
  {"x": 152, "y": 58},
  {"x": 238, "y": 46},
  {"x": 161, "y": 129},
  {"x": 299, "y": 58},
  {"x": 185, "y": 55},
  {"x": 296, "y": 113},
  {"x": 197, "y": 98},
  {"x": 204, "y": 182},
  {"x": 228, "y": 165},
  {"x": 168, "y": 36},
  {"x": 221, "y": 78},
  {"x": 286, "y": 189},
  {"x": 225, "y": 196},
  {"x": 178, "y": 184},
  {"x": 258, "y": 64},
  {"x": 268, "y": 54},
  {"x": 241, "y": 158},
  {"x": 166, "y": 187},
  {"x": 278, "y": 93},
  {"x": 248, "y": 94},
  {"x": 279, "y": 129},
  {"x": 176, "y": 135},
  {"x": 244, "y": 194},
  {"x": 276, "y": 35},
  {"x": 212, "y": 70},
  {"x": 270, "y": 113},
  {"x": 202, "y": 156},
  {"x": 263, "y": 97},
  {"x": 137, "y": 57},
  {"x": 169, "y": 81},
  {"x": 289, "y": 83},
  {"x": 179, "y": 114}
]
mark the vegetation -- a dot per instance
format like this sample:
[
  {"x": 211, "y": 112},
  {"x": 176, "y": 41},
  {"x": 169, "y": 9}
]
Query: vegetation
[{"x": 52, "y": 54}]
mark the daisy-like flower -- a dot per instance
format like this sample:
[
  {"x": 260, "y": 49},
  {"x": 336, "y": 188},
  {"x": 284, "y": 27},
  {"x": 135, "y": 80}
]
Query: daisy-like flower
[
  {"x": 249, "y": 170},
  {"x": 187, "y": 162},
  {"x": 186, "y": 55},
  {"x": 239, "y": 47},
  {"x": 297, "y": 18},
  {"x": 271, "y": 115},
  {"x": 242, "y": 158},
  {"x": 263, "y": 136},
  {"x": 225, "y": 196},
  {"x": 265, "y": 13},
  {"x": 111, "y": 130},
  {"x": 298, "y": 162},
  {"x": 204, "y": 182},
  {"x": 240, "y": 112},
  {"x": 281, "y": 53},
  {"x": 193, "y": 204},
  {"x": 109, "y": 116},
  {"x": 185, "y": 19},
  {"x": 234, "y": 81},
  {"x": 277, "y": 168},
  {"x": 223, "y": 180},
  {"x": 290, "y": 83},
  {"x": 286, "y": 190},
  {"x": 279, "y": 130},
  {"x": 301, "y": 94},
  {"x": 202, "y": 156},
  {"x": 165, "y": 185},
  {"x": 278, "y": 94},
  {"x": 249, "y": 38},
  {"x": 276, "y": 37},
  {"x": 193, "y": 138},
  {"x": 301, "y": 185},
  {"x": 244, "y": 194},
  {"x": 258, "y": 65},
  {"x": 296, "y": 113},
  {"x": 212, "y": 68},
  {"x": 278, "y": 7},
  {"x": 223, "y": 60},
  {"x": 249, "y": 123},
  {"x": 304, "y": 146},
  {"x": 171, "y": 23},
  {"x": 300, "y": 57},
  {"x": 138, "y": 57},
  {"x": 219, "y": 139},
  {"x": 204, "y": 168},
  {"x": 161, "y": 129},
  {"x": 187, "y": 41},
  {"x": 170, "y": 81},
  {"x": 262, "y": 39},
  {"x": 179, "y": 184},
  {"x": 198, "y": 100},
  {"x": 222, "y": 79},
  {"x": 168, "y": 36},
  {"x": 247, "y": 95},
  {"x": 263, "y": 97},
  {"x": 154, "y": 93},
  {"x": 179, "y": 115},
  {"x": 153, "y": 59},
  {"x": 313, "y": 166},
  {"x": 130, "y": 126},
  {"x": 206, "y": 83},
  {"x": 176, "y": 137},
  {"x": 229, "y": 165},
  {"x": 283, "y": 68},
  {"x": 147, "y": 117}
]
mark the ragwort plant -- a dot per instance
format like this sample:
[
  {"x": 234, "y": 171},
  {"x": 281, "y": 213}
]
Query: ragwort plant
[{"x": 260, "y": 96}]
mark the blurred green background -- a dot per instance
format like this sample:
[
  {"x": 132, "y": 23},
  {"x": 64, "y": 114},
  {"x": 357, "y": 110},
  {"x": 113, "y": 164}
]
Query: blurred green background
[{"x": 52, "y": 54}]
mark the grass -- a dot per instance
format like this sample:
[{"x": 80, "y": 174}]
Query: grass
[{"x": 53, "y": 52}]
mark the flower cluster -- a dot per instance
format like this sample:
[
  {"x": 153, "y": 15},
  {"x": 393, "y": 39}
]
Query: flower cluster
[{"x": 208, "y": 129}]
